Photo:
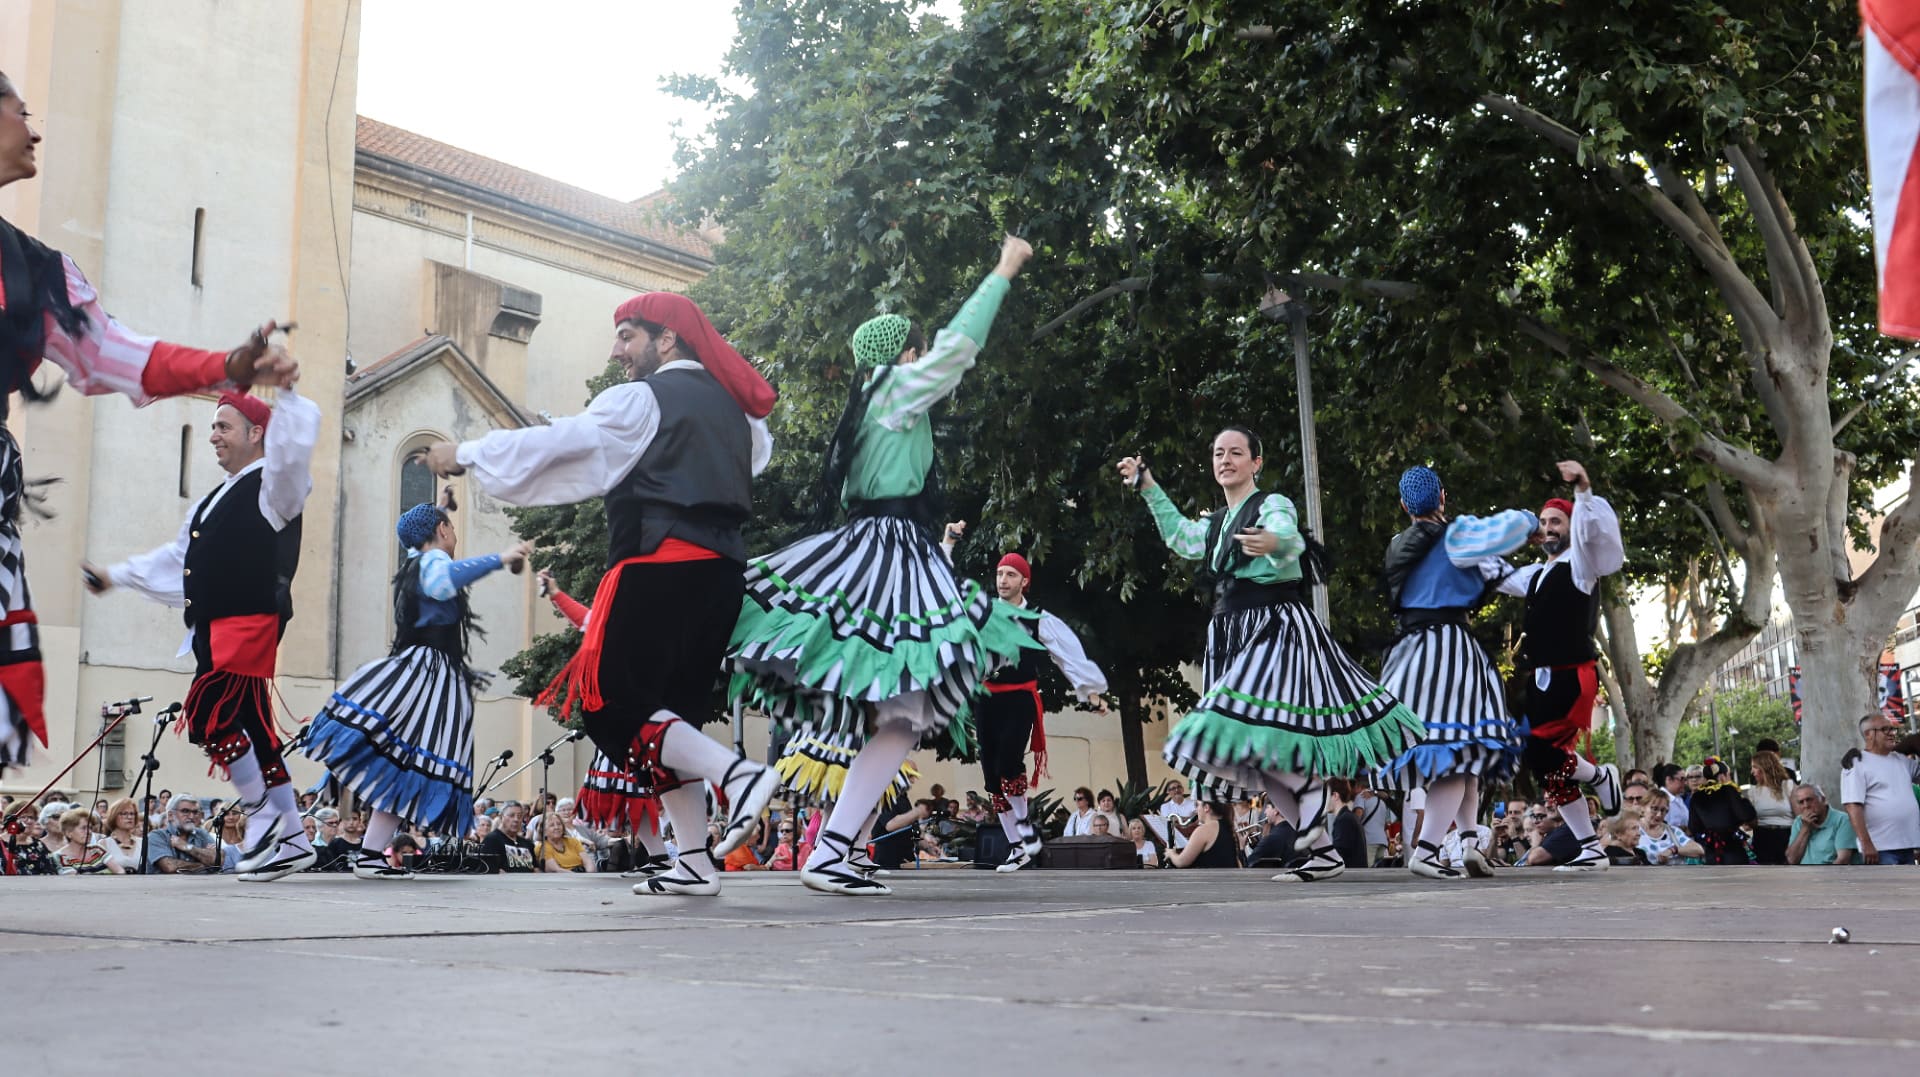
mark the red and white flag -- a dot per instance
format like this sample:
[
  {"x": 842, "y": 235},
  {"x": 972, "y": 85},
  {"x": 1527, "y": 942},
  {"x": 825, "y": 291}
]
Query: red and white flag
[{"x": 1893, "y": 128}]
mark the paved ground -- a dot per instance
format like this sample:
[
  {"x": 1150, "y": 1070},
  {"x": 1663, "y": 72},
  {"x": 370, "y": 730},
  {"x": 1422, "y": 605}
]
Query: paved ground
[{"x": 1682, "y": 970}]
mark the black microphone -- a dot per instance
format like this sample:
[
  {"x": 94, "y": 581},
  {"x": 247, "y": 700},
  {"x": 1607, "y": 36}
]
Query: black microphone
[
  {"x": 578, "y": 734},
  {"x": 171, "y": 712},
  {"x": 501, "y": 759}
]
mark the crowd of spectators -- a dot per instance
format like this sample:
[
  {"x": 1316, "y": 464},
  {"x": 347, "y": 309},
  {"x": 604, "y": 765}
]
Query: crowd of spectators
[{"x": 1672, "y": 816}]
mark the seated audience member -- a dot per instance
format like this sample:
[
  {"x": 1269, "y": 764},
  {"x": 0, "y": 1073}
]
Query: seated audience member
[
  {"x": 508, "y": 849},
  {"x": 1080, "y": 819},
  {"x": 182, "y": 846},
  {"x": 1660, "y": 841},
  {"x": 404, "y": 846},
  {"x": 787, "y": 847},
  {"x": 79, "y": 852},
  {"x": 122, "y": 834},
  {"x": 233, "y": 835},
  {"x": 1343, "y": 826},
  {"x": 559, "y": 848},
  {"x": 1557, "y": 844},
  {"x": 1620, "y": 839},
  {"x": 329, "y": 845},
  {"x": 893, "y": 832},
  {"x": 1146, "y": 844},
  {"x": 1275, "y": 847},
  {"x": 1820, "y": 835},
  {"x": 1212, "y": 844},
  {"x": 744, "y": 858}
]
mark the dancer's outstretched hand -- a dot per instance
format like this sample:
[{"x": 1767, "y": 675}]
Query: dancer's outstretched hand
[
  {"x": 1014, "y": 253},
  {"x": 1132, "y": 465},
  {"x": 442, "y": 459},
  {"x": 95, "y": 578},
  {"x": 515, "y": 556},
  {"x": 1257, "y": 541},
  {"x": 1572, "y": 471},
  {"x": 257, "y": 361}
]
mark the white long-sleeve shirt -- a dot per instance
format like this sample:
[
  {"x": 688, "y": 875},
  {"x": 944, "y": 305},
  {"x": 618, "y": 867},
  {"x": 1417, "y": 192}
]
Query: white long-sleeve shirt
[
  {"x": 284, "y": 486},
  {"x": 581, "y": 456},
  {"x": 1594, "y": 550}
]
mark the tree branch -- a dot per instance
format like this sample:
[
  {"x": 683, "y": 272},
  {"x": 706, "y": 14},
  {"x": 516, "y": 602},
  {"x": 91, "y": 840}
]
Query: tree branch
[
  {"x": 1736, "y": 462},
  {"x": 1743, "y": 298},
  {"x": 1789, "y": 262},
  {"x": 1119, "y": 287},
  {"x": 1378, "y": 289},
  {"x": 1723, "y": 515},
  {"x": 1675, "y": 185},
  {"x": 1719, "y": 549},
  {"x": 1853, "y": 413},
  {"x": 1838, "y": 495}
]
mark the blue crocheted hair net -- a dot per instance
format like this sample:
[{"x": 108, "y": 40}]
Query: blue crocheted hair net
[
  {"x": 1420, "y": 490},
  {"x": 417, "y": 524}
]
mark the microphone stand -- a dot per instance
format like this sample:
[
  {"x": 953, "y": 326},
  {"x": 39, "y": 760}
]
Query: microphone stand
[
  {"x": 148, "y": 764},
  {"x": 545, "y": 754}
]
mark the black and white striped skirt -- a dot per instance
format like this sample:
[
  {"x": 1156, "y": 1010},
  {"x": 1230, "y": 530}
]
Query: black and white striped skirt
[
  {"x": 1443, "y": 674},
  {"x": 1283, "y": 697},
  {"x": 814, "y": 767},
  {"x": 870, "y": 613},
  {"x": 399, "y": 734}
]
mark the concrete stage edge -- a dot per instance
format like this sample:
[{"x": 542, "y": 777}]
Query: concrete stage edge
[{"x": 1654, "y": 970}]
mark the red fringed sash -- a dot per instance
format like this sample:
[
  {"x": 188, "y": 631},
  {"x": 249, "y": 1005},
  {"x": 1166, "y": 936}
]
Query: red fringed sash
[
  {"x": 1038, "y": 746},
  {"x": 580, "y": 678}
]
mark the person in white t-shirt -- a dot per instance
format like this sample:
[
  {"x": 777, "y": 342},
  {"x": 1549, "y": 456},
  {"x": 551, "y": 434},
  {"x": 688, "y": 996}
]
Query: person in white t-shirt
[
  {"x": 1180, "y": 811},
  {"x": 1876, "y": 789}
]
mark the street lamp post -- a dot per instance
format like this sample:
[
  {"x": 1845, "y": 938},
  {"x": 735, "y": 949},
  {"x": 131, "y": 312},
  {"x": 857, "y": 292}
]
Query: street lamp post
[{"x": 1274, "y": 306}]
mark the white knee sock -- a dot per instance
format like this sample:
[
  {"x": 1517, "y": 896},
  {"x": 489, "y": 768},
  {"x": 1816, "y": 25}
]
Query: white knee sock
[
  {"x": 648, "y": 838},
  {"x": 690, "y": 753},
  {"x": 1579, "y": 821},
  {"x": 381, "y": 827},
  {"x": 1010, "y": 826},
  {"x": 686, "y": 809},
  {"x": 252, "y": 787},
  {"x": 282, "y": 802},
  {"x": 1584, "y": 769},
  {"x": 872, "y": 771},
  {"x": 865, "y": 832},
  {"x": 1443, "y": 804},
  {"x": 1019, "y": 815}
]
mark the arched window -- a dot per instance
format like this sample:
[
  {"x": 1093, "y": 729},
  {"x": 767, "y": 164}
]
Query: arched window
[{"x": 417, "y": 484}]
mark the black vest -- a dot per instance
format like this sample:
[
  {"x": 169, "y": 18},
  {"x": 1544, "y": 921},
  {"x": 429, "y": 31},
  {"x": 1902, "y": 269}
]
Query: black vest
[
  {"x": 1559, "y": 621},
  {"x": 694, "y": 482},
  {"x": 236, "y": 563},
  {"x": 1031, "y": 662}
]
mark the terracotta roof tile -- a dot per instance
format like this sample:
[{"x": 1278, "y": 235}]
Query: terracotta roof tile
[{"x": 639, "y": 218}]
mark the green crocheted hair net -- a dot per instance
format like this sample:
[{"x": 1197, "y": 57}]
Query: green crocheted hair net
[{"x": 880, "y": 340}]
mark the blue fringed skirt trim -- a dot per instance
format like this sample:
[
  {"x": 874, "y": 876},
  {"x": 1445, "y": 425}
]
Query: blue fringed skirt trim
[{"x": 399, "y": 734}]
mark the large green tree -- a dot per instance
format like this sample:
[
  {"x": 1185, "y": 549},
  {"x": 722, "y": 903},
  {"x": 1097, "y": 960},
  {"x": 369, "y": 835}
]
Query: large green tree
[{"x": 1665, "y": 198}]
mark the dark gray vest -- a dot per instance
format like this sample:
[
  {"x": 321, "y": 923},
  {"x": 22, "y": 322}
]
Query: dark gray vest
[{"x": 694, "y": 482}]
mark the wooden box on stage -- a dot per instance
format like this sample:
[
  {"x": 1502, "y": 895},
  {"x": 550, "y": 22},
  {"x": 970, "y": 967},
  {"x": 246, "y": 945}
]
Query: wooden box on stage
[{"x": 1088, "y": 851}]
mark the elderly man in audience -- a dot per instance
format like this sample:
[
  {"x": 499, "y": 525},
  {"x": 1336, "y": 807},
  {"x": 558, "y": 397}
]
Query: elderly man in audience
[
  {"x": 1876, "y": 788},
  {"x": 183, "y": 846},
  {"x": 1820, "y": 834}
]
